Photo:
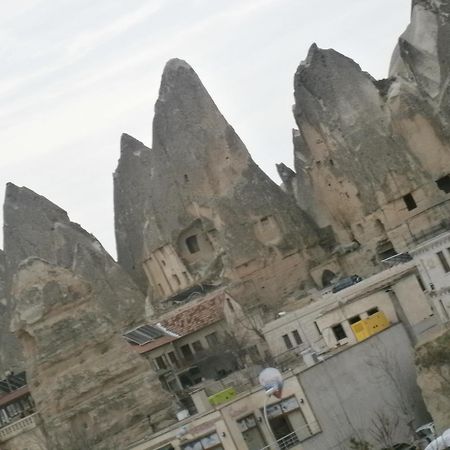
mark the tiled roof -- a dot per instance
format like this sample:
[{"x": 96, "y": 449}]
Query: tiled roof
[
  {"x": 195, "y": 316},
  {"x": 153, "y": 344},
  {"x": 14, "y": 395}
]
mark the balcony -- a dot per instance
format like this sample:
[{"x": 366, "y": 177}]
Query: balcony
[{"x": 18, "y": 427}]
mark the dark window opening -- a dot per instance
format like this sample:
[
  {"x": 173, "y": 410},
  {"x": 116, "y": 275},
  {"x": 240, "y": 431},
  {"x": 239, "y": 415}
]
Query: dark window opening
[
  {"x": 163, "y": 262},
  {"x": 421, "y": 283},
  {"x": 443, "y": 261},
  {"x": 385, "y": 249},
  {"x": 212, "y": 339},
  {"x": 264, "y": 221},
  {"x": 339, "y": 332},
  {"x": 372, "y": 311},
  {"x": 186, "y": 351},
  {"x": 230, "y": 305},
  {"x": 161, "y": 364},
  {"x": 444, "y": 184},
  {"x": 297, "y": 337},
  {"x": 409, "y": 202},
  {"x": 186, "y": 178},
  {"x": 287, "y": 341},
  {"x": 176, "y": 279},
  {"x": 173, "y": 359},
  {"x": 197, "y": 346},
  {"x": 354, "y": 319},
  {"x": 317, "y": 328},
  {"x": 192, "y": 244},
  {"x": 327, "y": 277}
]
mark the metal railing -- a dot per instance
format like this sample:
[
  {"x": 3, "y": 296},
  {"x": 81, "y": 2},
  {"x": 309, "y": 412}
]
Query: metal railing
[
  {"x": 17, "y": 427},
  {"x": 291, "y": 440}
]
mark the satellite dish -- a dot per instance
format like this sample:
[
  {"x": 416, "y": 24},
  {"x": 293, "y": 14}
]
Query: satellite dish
[{"x": 272, "y": 381}]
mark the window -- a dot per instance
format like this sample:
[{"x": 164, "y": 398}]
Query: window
[
  {"x": 443, "y": 261},
  {"x": 173, "y": 358},
  {"x": 176, "y": 279},
  {"x": 288, "y": 422},
  {"x": 197, "y": 346},
  {"x": 160, "y": 363},
  {"x": 186, "y": 351},
  {"x": 409, "y": 202},
  {"x": 354, "y": 319},
  {"x": 372, "y": 311},
  {"x": 212, "y": 339},
  {"x": 287, "y": 341},
  {"x": 230, "y": 305},
  {"x": 421, "y": 283},
  {"x": 251, "y": 433},
  {"x": 339, "y": 332},
  {"x": 444, "y": 184},
  {"x": 211, "y": 441},
  {"x": 317, "y": 328},
  {"x": 192, "y": 244},
  {"x": 297, "y": 337}
]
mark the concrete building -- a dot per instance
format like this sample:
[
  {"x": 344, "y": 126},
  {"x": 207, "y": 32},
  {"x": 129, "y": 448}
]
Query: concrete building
[
  {"x": 326, "y": 322},
  {"x": 432, "y": 258}
]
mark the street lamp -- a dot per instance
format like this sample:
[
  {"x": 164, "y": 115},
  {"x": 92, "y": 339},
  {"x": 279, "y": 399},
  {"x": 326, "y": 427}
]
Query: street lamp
[{"x": 272, "y": 382}]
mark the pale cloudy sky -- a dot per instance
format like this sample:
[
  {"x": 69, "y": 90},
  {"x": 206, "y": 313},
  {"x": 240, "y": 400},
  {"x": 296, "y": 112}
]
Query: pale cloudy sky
[{"x": 75, "y": 74}]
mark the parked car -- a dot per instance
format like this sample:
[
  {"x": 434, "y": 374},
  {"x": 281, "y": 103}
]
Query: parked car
[{"x": 346, "y": 282}]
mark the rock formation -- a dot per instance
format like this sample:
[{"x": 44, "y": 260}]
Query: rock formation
[
  {"x": 372, "y": 157},
  {"x": 196, "y": 207},
  {"x": 90, "y": 388},
  {"x": 34, "y": 226},
  {"x": 433, "y": 367},
  {"x": 10, "y": 354}
]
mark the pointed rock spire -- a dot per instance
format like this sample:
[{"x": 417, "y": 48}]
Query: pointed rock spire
[
  {"x": 34, "y": 226},
  {"x": 203, "y": 182}
]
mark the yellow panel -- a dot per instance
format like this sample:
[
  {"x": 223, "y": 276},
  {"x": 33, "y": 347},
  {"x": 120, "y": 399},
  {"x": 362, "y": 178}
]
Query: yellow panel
[
  {"x": 222, "y": 396},
  {"x": 360, "y": 330},
  {"x": 376, "y": 322}
]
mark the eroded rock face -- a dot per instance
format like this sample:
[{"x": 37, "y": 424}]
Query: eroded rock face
[
  {"x": 88, "y": 385},
  {"x": 372, "y": 157},
  {"x": 34, "y": 226},
  {"x": 433, "y": 377},
  {"x": 207, "y": 211},
  {"x": 11, "y": 352},
  {"x": 131, "y": 194}
]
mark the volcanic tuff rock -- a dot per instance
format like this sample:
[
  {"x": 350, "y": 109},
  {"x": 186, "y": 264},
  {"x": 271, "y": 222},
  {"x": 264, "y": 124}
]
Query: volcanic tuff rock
[
  {"x": 88, "y": 385},
  {"x": 433, "y": 377},
  {"x": 199, "y": 178},
  {"x": 10, "y": 354},
  {"x": 362, "y": 145},
  {"x": 131, "y": 194},
  {"x": 34, "y": 226}
]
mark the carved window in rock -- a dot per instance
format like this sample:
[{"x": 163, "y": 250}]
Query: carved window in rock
[
  {"x": 409, "y": 202},
  {"x": 192, "y": 244},
  {"x": 444, "y": 184},
  {"x": 267, "y": 230},
  {"x": 372, "y": 311}
]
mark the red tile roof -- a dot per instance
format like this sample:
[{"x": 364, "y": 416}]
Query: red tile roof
[
  {"x": 153, "y": 344},
  {"x": 195, "y": 316},
  {"x": 14, "y": 395}
]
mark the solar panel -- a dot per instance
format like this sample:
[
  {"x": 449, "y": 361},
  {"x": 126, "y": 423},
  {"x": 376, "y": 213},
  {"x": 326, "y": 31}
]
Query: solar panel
[
  {"x": 13, "y": 382},
  {"x": 144, "y": 334}
]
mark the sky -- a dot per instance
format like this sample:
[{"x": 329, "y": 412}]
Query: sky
[{"x": 76, "y": 74}]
